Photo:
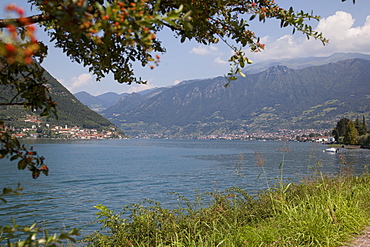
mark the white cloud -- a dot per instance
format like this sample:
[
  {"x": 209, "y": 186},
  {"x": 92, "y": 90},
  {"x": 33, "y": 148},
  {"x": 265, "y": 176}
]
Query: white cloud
[
  {"x": 211, "y": 51},
  {"x": 204, "y": 50},
  {"x": 338, "y": 28},
  {"x": 76, "y": 83},
  {"x": 81, "y": 80},
  {"x": 343, "y": 36},
  {"x": 176, "y": 82},
  {"x": 218, "y": 60}
]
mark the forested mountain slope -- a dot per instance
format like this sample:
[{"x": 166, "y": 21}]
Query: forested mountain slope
[{"x": 70, "y": 111}]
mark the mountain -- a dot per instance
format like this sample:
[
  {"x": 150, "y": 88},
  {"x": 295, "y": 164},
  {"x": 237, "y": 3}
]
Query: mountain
[
  {"x": 126, "y": 103},
  {"x": 70, "y": 110},
  {"x": 277, "y": 98},
  {"x": 109, "y": 99},
  {"x": 299, "y": 63},
  {"x": 100, "y": 102},
  {"x": 90, "y": 101},
  {"x": 130, "y": 101}
]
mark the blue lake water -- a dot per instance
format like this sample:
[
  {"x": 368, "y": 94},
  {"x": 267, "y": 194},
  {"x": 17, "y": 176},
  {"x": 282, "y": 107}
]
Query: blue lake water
[{"x": 119, "y": 172}]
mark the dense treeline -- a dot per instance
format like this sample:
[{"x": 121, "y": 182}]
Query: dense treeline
[{"x": 351, "y": 132}]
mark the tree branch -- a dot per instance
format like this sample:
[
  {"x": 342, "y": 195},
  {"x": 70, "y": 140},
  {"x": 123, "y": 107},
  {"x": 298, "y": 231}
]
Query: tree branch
[
  {"x": 30, "y": 20},
  {"x": 173, "y": 28}
]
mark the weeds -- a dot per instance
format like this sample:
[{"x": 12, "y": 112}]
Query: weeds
[{"x": 260, "y": 163}]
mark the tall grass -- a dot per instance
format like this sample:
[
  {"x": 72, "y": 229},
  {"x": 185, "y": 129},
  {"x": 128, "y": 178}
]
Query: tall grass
[{"x": 319, "y": 211}]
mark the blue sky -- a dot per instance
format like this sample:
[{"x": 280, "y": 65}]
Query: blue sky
[{"x": 345, "y": 24}]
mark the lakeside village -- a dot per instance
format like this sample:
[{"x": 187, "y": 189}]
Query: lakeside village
[
  {"x": 37, "y": 130},
  {"x": 302, "y": 135},
  {"x": 59, "y": 132}
]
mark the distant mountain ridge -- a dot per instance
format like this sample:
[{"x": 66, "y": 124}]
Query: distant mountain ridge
[
  {"x": 279, "y": 97},
  {"x": 101, "y": 102},
  {"x": 299, "y": 63}
]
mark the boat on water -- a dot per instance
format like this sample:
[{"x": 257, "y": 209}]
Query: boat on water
[{"x": 331, "y": 150}]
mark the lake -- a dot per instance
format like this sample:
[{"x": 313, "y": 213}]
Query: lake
[{"x": 120, "y": 172}]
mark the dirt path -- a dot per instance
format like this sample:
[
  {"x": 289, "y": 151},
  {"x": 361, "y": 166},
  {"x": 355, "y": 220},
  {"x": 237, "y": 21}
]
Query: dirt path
[{"x": 362, "y": 240}]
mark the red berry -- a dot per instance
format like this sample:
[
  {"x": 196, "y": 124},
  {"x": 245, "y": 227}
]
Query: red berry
[
  {"x": 28, "y": 60},
  {"x": 20, "y": 11},
  {"x": 10, "y": 47},
  {"x": 11, "y": 7}
]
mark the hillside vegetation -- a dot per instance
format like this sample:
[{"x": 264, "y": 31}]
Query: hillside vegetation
[{"x": 70, "y": 111}]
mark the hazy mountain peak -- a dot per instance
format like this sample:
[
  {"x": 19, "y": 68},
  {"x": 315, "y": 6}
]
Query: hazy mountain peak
[
  {"x": 83, "y": 93},
  {"x": 299, "y": 63}
]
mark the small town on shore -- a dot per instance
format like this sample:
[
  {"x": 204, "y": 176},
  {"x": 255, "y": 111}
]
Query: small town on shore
[
  {"x": 283, "y": 134},
  {"x": 75, "y": 132},
  {"x": 59, "y": 132},
  {"x": 303, "y": 135},
  {"x": 38, "y": 129}
]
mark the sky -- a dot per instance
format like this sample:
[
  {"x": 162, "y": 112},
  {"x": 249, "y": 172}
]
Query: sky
[{"x": 346, "y": 25}]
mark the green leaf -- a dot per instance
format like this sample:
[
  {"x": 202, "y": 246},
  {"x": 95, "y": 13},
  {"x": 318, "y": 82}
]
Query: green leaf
[
  {"x": 108, "y": 8},
  {"x": 22, "y": 164},
  {"x": 99, "y": 6},
  {"x": 100, "y": 207},
  {"x": 14, "y": 157}
]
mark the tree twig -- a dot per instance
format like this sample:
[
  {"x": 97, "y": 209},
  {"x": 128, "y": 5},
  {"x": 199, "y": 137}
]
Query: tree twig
[{"x": 30, "y": 20}]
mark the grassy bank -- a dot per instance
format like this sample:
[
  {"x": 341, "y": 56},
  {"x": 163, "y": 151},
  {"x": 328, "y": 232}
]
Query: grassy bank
[{"x": 319, "y": 211}]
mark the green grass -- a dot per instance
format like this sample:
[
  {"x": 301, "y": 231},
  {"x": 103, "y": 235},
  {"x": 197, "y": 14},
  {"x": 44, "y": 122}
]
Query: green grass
[{"x": 319, "y": 211}]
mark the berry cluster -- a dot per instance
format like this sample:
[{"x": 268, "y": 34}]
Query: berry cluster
[{"x": 20, "y": 42}]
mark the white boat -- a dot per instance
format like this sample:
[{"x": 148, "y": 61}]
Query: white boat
[{"x": 332, "y": 150}]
